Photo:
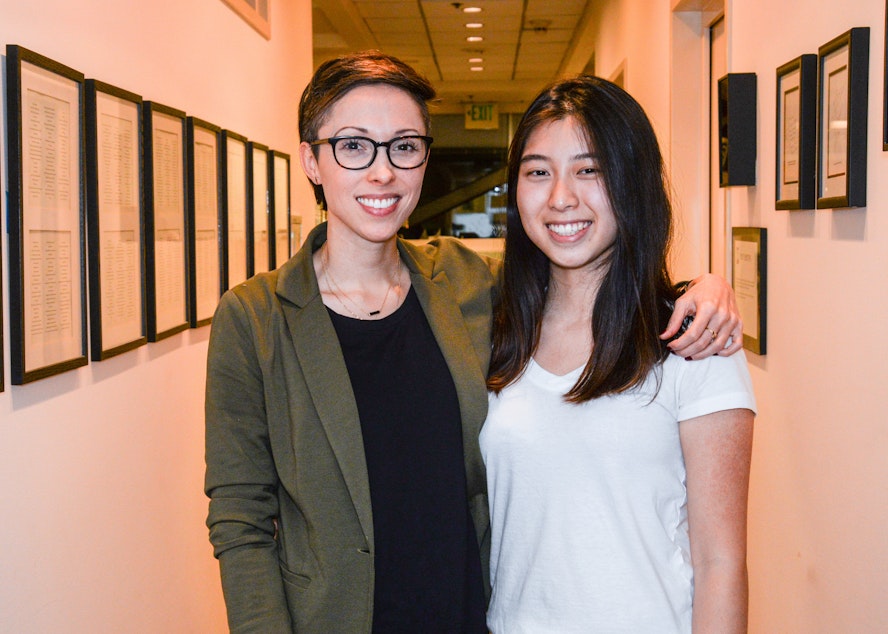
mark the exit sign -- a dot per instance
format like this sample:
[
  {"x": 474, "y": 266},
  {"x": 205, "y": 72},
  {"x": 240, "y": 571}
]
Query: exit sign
[{"x": 482, "y": 116}]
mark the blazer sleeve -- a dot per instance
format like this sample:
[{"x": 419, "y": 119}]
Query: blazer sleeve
[{"x": 241, "y": 479}]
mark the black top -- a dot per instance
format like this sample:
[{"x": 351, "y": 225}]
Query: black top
[{"x": 428, "y": 569}]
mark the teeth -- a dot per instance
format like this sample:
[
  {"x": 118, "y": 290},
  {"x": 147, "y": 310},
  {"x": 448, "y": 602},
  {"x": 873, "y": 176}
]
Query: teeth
[
  {"x": 569, "y": 229},
  {"x": 378, "y": 203}
]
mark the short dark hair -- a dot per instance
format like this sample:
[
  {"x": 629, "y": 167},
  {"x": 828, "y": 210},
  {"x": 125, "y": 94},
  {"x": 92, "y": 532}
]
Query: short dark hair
[
  {"x": 335, "y": 77},
  {"x": 633, "y": 301}
]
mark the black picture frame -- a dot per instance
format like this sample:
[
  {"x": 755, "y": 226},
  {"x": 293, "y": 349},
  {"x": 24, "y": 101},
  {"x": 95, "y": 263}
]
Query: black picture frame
[
  {"x": 750, "y": 282},
  {"x": 46, "y": 216},
  {"x": 737, "y": 124},
  {"x": 115, "y": 220},
  {"x": 796, "y": 139},
  {"x": 204, "y": 220},
  {"x": 233, "y": 176},
  {"x": 843, "y": 84},
  {"x": 166, "y": 204},
  {"x": 885, "y": 86},
  {"x": 258, "y": 218},
  {"x": 279, "y": 207}
]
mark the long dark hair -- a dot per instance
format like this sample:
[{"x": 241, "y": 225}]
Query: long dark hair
[
  {"x": 335, "y": 77},
  {"x": 633, "y": 302}
]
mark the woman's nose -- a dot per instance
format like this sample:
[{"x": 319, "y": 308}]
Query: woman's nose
[{"x": 562, "y": 197}]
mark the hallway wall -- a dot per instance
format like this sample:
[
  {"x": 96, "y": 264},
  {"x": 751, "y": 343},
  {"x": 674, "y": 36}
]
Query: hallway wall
[
  {"x": 101, "y": 468},
  {"x": 818, "y": 556}
]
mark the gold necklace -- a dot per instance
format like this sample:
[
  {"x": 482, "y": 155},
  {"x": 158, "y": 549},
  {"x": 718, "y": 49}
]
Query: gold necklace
[{"x": 346, "y": 302}]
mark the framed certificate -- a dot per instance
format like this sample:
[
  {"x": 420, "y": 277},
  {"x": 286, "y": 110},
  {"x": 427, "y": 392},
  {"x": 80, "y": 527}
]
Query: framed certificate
[
  {"x": 114, "y": 220},
  {"x": 797, "y": 133},
  {"x": 750, "y": 282},
  {"x": 279, "y": 207},
  {"x": 165, "y": 211},
  {"x": 47, "y": 270},
  {"x": 205, "y": 272},
  {"x": 257, "y": 210},
  {"x": 841, "y": 168},
  {"x": 235, "y": 255}
]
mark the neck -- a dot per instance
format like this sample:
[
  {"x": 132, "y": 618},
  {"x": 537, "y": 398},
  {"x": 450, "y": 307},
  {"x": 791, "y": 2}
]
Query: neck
[
  {"x": 572, "y": 292},
  {"x": 363, "y": 284}
]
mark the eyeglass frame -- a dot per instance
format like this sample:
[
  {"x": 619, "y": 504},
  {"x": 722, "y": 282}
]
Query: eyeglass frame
[{"x": 333, "y": 140}]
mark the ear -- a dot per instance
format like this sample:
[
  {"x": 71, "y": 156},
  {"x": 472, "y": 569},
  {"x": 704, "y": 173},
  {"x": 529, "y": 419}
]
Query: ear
[{"x": 309, "y": 163}]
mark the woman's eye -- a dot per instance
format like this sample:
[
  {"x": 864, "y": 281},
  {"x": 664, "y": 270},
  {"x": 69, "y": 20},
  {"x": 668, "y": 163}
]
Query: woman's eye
[{"x": 351, "y": 145}]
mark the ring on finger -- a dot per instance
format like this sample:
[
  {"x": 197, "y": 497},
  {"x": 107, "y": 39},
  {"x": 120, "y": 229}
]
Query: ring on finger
[{"x": 713, "y": 333}]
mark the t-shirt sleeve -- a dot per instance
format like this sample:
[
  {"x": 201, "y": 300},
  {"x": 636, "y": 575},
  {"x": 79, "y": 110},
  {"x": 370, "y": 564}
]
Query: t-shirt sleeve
[{"x": 714, "y": 385}]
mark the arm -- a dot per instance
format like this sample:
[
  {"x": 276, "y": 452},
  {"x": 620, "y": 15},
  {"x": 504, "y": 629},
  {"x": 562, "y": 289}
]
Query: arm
[
  {"x": 241, "y": 479},
  {"x": 717, "y": 450},
  {"x": 716, "y": 328}
]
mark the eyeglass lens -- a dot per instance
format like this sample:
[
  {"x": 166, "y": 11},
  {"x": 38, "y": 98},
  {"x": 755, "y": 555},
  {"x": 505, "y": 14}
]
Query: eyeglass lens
[{"x": 357, "y": 152}]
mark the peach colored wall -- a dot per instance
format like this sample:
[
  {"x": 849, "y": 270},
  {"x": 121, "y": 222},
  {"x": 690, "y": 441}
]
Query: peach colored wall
[
  {"x": 818, "y": 555},
  {"x": 101, "y": 468}
]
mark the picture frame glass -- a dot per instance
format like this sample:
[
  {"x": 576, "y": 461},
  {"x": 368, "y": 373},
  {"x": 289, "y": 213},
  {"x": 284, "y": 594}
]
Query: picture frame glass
[
  {"x": 53, "y": 292},
  {"x": 281, "y": 166},
  {"x": 236, "y": 194},
  {"x": 206, "y": 222},
  {"x": 170, "y": 303},
  {"x": 834, "y": 124},
  {"x": 120, "y": 222},
  {"x": 789, "y": 135},
  {"x": 260, "y": 210}
]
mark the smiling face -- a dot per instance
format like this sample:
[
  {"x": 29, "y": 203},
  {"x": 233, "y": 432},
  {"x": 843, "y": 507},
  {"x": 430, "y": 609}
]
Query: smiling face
[
  {"x": 369, "y": 204},
  {"x": 563, "y": 201}
]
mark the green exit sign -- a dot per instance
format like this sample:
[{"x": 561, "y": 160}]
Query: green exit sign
[{"x": 482, "y": 116}]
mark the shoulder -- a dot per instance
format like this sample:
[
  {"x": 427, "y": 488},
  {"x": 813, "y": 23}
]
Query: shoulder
[
  {"x": 711, "y": 384},
  {"x": 453, "y": 257}
]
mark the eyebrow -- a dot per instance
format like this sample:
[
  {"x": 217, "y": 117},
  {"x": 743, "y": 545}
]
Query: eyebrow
[
  {"x": 541, "y": 157},
  {"x": 346, "y": 131}
]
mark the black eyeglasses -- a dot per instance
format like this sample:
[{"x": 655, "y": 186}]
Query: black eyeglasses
[{"x": 359, "y": 152}]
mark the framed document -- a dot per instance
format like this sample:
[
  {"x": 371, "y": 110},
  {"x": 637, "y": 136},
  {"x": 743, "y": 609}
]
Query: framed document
[
  {"x": 47, "y": 248},
  {"x": 750, "y": 249},
  {"x": 841, "y": 167},
  {"x": 279, "y": 206},
  {"x": 114, "y": 220},
  {"x": 797, "y": 133},
  {"x": 165, "y": 205},
  {"x": 235, "y": 256},
  {"x": 257, "y": 211},
  {"x": 205, "y": 271}
]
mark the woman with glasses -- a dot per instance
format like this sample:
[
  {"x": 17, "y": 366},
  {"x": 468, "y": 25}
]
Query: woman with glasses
[{"x": 346, "y": 390}]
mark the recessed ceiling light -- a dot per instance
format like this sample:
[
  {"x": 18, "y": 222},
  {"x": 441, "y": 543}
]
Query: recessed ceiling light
[
  {"x": 474, "y": 38},
  {"x": 476, "y": 60},
  {"x": 471, "y": 9},
  {"x": 474, "y": 25},
  {"x": 476, "y": 68}
]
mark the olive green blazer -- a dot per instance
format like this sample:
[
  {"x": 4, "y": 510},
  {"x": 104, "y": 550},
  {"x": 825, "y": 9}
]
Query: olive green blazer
[{"x": 289, "y": 516}]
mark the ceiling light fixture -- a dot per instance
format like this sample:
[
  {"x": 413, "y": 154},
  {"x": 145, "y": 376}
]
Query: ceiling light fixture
[
  {"x": 476, "y": 60},
  {"x": 474, "y": 38},
  {"x": 474, "y": 25},
  {"x": 471, "y": 9},
  {"x": 476, "y": 68}
]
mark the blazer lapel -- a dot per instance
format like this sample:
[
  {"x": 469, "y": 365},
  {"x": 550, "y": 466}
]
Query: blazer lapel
[
  {"x": 438, "y": 300},
  {"x": 320, "y": 356}
]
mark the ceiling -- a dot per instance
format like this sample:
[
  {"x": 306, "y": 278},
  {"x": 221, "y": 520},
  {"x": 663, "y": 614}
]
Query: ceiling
[{"x": 527, "y": 43}]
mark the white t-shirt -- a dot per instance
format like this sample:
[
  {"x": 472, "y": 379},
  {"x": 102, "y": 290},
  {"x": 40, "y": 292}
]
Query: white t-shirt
[{"x": 588, "y": 504}]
